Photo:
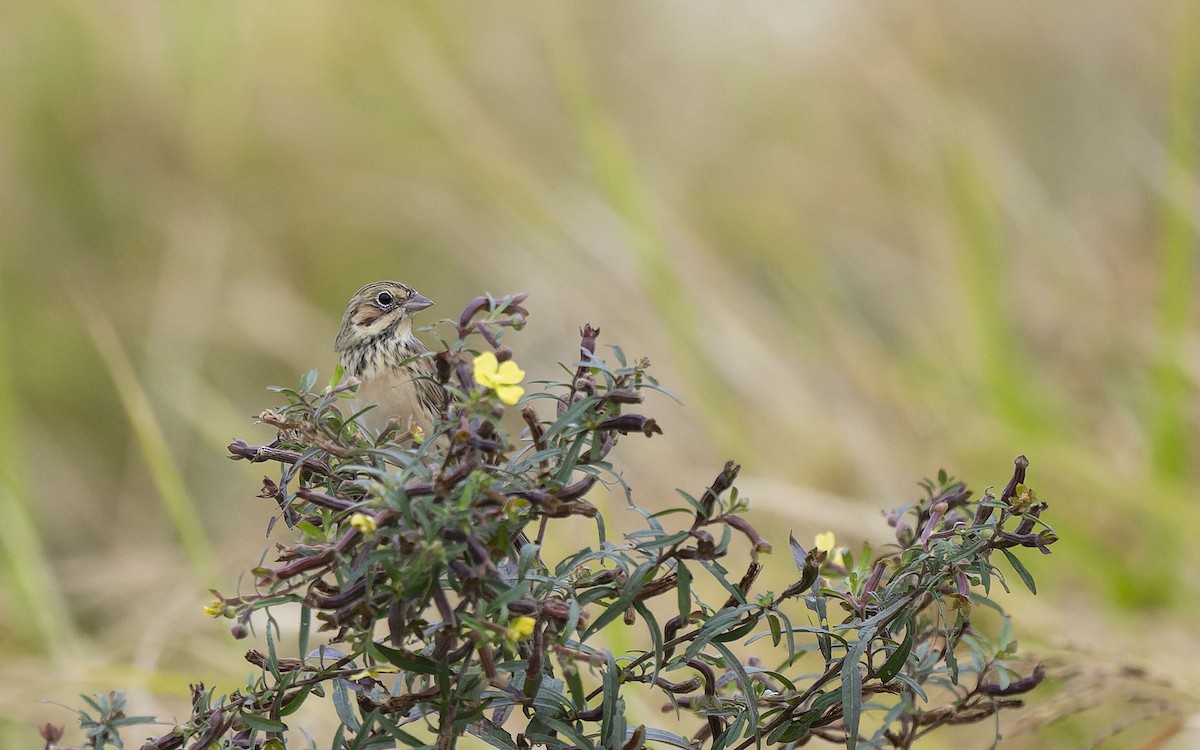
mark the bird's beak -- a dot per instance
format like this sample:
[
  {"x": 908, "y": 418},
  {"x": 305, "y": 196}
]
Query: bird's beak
[{"x": 415, "y": 303}]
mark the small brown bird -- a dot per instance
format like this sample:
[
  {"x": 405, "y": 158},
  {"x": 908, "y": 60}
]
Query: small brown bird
[{"x": 376, "y": 345}]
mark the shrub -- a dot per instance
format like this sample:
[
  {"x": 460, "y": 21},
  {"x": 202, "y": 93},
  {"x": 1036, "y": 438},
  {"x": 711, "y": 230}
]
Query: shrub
[{"x": 422, "y": 565}]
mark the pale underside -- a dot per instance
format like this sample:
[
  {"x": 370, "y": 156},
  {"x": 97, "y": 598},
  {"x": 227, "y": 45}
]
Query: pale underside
[{"x": 394, "y": 397}]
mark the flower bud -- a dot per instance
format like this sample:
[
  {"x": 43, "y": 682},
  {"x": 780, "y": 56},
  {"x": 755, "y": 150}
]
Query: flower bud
[
  {"x": 587, "y": 343},
  {"x": 585, "y": 383},
  {"x": 1018, "y": 477}
]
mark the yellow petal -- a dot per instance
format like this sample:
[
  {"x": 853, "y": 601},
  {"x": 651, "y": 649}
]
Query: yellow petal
[
  {"x": 363, "y": 523},
  {"x": 825, "y": 541},
  {"x": 509, "y": 373},
  {"x": 510, "y": 394},
  {"x": 375, "y": 671},
  {"x": 521, "y": 628},
  {"x": 485, "y": 369}
]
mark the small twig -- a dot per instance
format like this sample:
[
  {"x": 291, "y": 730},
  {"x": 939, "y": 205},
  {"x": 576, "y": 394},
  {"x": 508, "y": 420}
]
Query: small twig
[{"x": 241, "y": 450}]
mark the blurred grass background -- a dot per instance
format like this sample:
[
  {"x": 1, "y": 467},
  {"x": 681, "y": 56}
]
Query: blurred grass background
[{"x": 860, "y": 241}]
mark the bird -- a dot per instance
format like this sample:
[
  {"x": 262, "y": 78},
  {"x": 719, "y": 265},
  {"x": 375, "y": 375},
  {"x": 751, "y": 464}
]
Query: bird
[{"x": 377, "y": 346}]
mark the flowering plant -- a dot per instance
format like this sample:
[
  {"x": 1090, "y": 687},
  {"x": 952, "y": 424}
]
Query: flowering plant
[{"x": 442, "y": 611}]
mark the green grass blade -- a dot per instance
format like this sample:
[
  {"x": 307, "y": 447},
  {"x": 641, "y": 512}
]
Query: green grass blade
[
  {"x": 982, "y": 267},
  {"x": 172, "y": 490},
  {"x": 623, "y": 188},
  {"x": 38, "y": 611},
  {"x": 1179, "y": 248}
]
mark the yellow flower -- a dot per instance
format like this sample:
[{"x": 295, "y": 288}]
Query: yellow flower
[
  {"x": 215, "y": 609},
  {"x": 375, "y": 671},
  {"x": 520, "y": 629},
  {"x": 827, "y": 543},
  {"x": 500, "y": 377},
  {"x": 363, "y": 523},
  {"x": 418, "y": 435}
]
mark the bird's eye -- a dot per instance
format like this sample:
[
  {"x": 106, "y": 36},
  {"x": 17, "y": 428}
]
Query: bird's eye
[{"x": 385, "y": 299}]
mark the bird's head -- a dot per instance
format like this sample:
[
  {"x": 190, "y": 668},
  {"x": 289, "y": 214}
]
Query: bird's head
[{"x": 380, "y": 309}]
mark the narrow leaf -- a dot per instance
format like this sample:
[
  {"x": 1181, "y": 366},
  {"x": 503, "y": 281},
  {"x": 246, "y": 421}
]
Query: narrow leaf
[
  {"x": 1026, "y": 576},
  {"x": 684, "y": 591},
  {"x": 896, "y": 661},
  {"x": 852, "y": 686},
  {"x": 262, "y": 723},
  {"x": 799, "y": 554},
  {"x": 406, "y": 660},
  {"x": 344, "y": 706}
]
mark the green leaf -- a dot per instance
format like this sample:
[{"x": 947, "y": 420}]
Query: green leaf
[
  {"x": 684, "y": 591},
  {"x": 367, "y": 739},
  {"x": 794, "y": 730},
  {"x": 550, "y": 695},
  {"x": 493, "y": 735},
  {"x": 950, "y": 657},
  {"x": 731, "y": 733},
  {"x": 612, "y": 721},
  {"x": 743, "y": 680},
  {"x": 799, "y": 554},
  {"x": 573, "y": 614},
  {"x": 896, "y": 661},
  {"x": 721, "y": 575},
  {"x": 913, "y": 686},
  {"x": 570, "y": 732},
  {"x": 344, "y": 706},
  {"x": 575, "y": 684},
  {"x": 508, "y": 597},
  {"x": 295, "y": 703},
  {"x": 309, "y": 380},
  {"x": 776, "y": 630},
  {"x": 405, "y": 660},
  {"x": 772, "y": 673},
  {"x": 656, "y": 633},
  {"x": 1005, "y": 635},
  {"x": 570, "y": 459},
  {"x": 893, "y": 715},
  {"x": 789, "y": 632},
  {"x": 656, "y": 541},
  {"x": 310, "y": 529},
  {"x": 715, "y": 626},
  {"x": 305, "y": 626},
  {"x": 633, "y": 586},
  {"x": 262, "y": 723},
  {"x": 696, "y": 506},
  {"x": 395, "y": 733},
  {"x": 663, "y": 736},
  {"x": 851, "y": 692},
  {"x": 739, "y": 632},
  {"x": 569, "y": 417},
  {"x": 272, "y": 658},
  {"x": 1025, "y": 575}
]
